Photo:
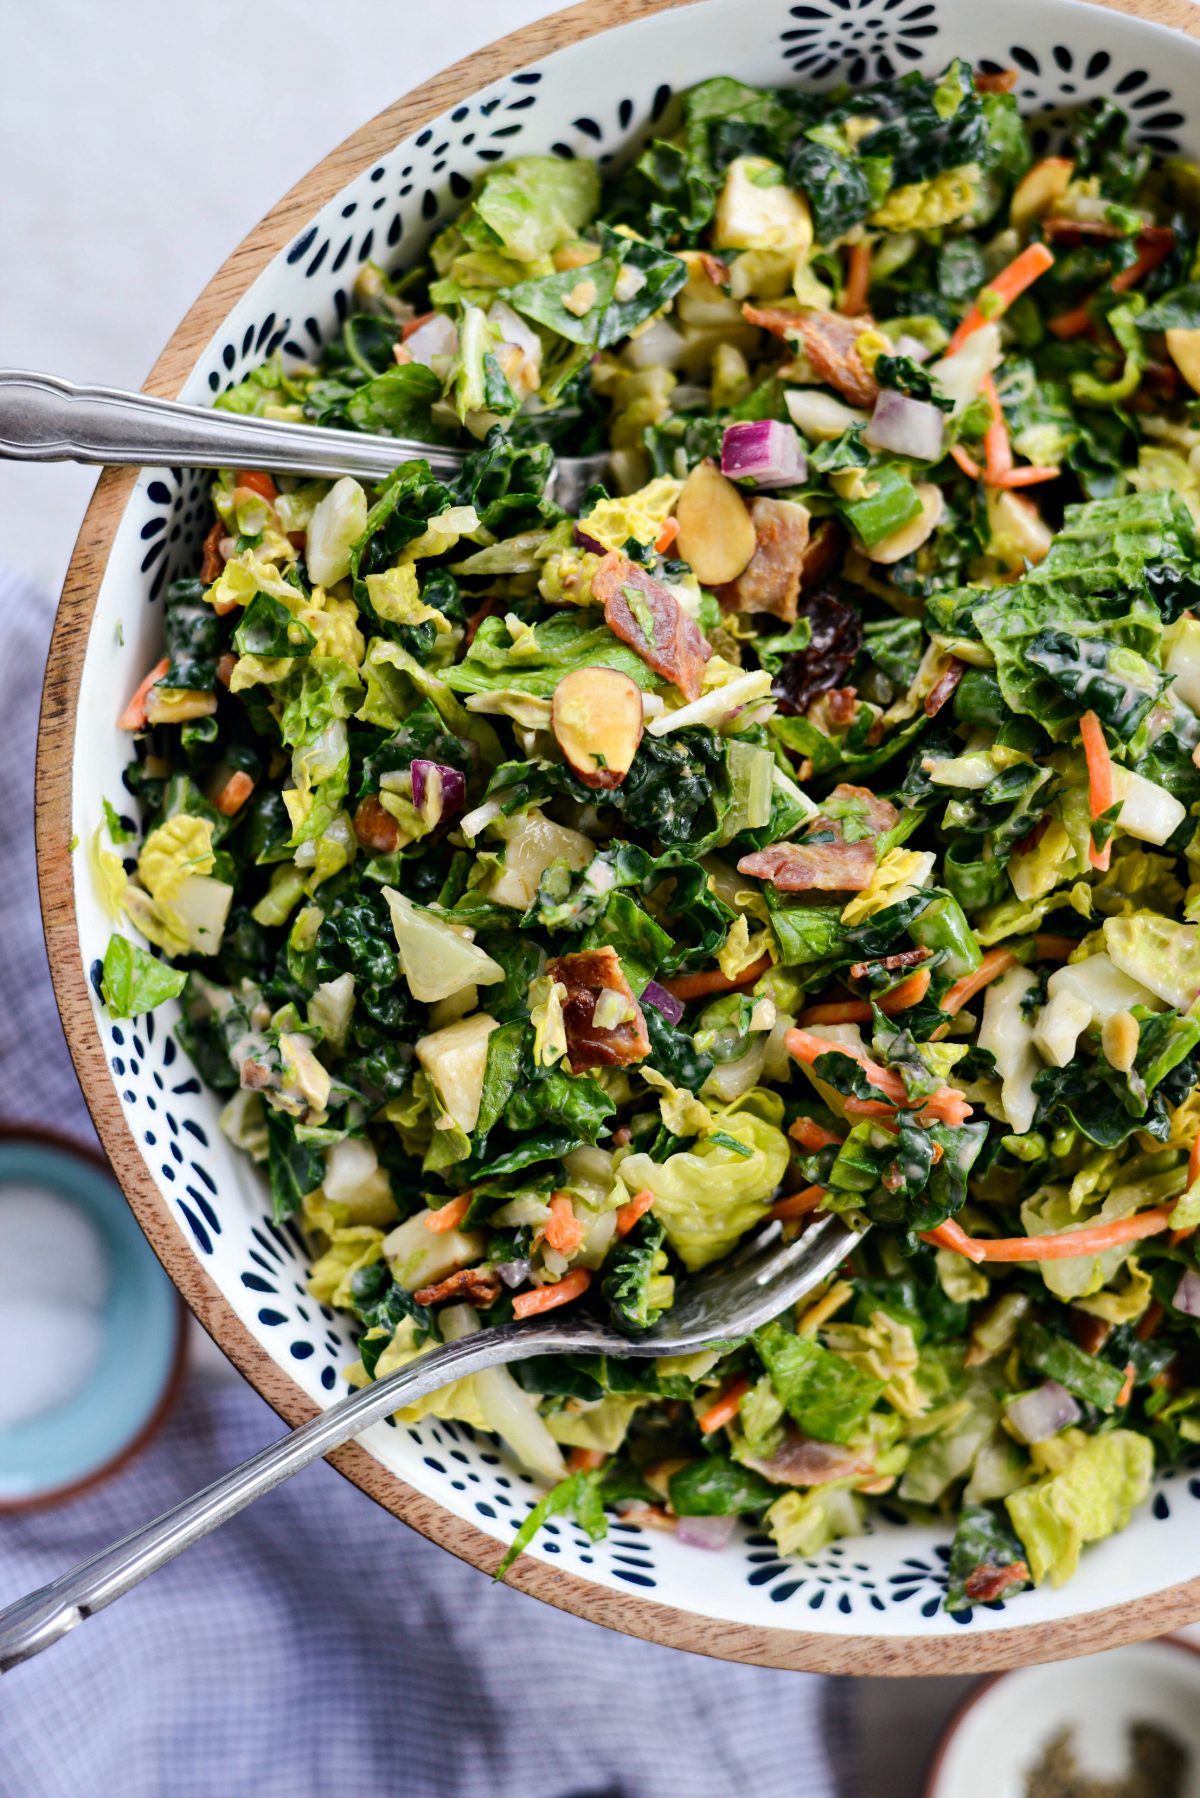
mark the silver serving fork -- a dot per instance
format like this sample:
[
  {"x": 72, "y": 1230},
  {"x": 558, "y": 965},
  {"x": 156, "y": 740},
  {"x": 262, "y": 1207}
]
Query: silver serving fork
[
  {"x": 43, "y": 419},
  {"x": 725, "y": 1303}
]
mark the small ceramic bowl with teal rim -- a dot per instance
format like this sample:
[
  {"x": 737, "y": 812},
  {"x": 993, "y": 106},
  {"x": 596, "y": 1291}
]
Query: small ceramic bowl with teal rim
[{"x": 101, "y": 1330}]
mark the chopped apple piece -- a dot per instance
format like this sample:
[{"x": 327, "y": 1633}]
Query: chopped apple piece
[
  {"x": 597, "y": 720},
  {"x": 716, "y": 532},
  {"x": 455, "y": 1060},
  {"x": 532, "y": 844}
]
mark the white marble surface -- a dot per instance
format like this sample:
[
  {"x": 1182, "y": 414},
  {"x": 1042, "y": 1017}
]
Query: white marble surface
[{"x": 140, "y": 140}]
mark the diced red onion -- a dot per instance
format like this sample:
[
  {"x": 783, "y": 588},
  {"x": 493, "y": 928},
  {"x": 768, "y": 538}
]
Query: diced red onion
[
  {"x": 765, "y": 451},
  {"x": 438, "y": 790},
  {"x": 1043, "y": 1412},
  {"x": 1187, "y": 1295},
  {"x": 912, "y": 347},
  {"x": 906, "y": 426},
  {"x": 662, "y": 1000},
  {"x": 705, "y": 1532},
  {"x": 583, "y": 541},
  {"x": 514, "y": 1273}
]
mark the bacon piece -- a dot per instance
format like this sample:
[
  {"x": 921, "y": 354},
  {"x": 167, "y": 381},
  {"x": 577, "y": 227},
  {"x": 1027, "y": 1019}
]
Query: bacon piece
[
  {"x": 829, "y": 341},
  {"x": 669, "y": 641},
  {"x": 375, "y": 828},
  {"x": 255, "y": 1078},
  {"x": 225, "y": 667},
  {"x": 841, "y": 706},
  {"x": 1070, "y": 233},
  {"x": 212, "y": 562},
  {"x": 770, "y": 581},
  {"x": 780, "y": 321},
  {"x": 936, "y": 698},
  {"x": 1002, "y": 81},
  {"x": 470, "y": 1286},
  {"x": 716, "y": 270},
  {"x": 1090, "y": 1333},
  {"x": 829, "y": 867},
  {"x": 804, "y": 1461},
  {"x": 823, "y": 553},
  {"x": 586, "y": 975},
  {"x": 985, "y": 1583},
  {"x": 888, "y": 964}
]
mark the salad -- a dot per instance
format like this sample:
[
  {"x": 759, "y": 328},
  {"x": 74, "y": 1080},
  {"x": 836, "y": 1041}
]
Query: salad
[{"x": 807, "y": 825}]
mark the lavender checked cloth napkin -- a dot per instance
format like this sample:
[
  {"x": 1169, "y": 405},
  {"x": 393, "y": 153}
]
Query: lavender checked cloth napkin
[{"x": 315, "y": 1647}]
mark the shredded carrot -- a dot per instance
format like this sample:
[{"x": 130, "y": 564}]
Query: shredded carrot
[
  {"x": 233, "y": 793},
  {"x": 701, "y": 986},
  {"x": 1001, "y": 81},
  {"x": 134, "y": 716},
  {"x": 585, "y": 1460},
  {"x": 997, "y": 450},
  {"x": 858, "y": 281},
  {"x": 414, "y": 324},
  {"x": 946, "y": 1103},
  {"x": 807, "y": 1049},
  {"x": 562, "y": 1229},
  {"x": 632, "y": 1209},
  {"x": 1054, "y": 948},
  {"x": 967, "y": 463},
  {"x": 1149, "y": 1321},
  {"x": 486, "y": 610},
  {"x": 726, "y": 1407},
  {"x": 1068, "y": 1245},
  {"x": 1100, "y": 780},
  {"x": 549, "y": 1298},
  {"x": 811, "y": 1135},
  {"x": 257, "y": 480},
  {"x": 995, "y": 962},
  {"x": 951, "y": 1236},
  {"x": 1031, "y": 476},
  {"x": 1126, "y": 1392},
  {"x": 799, "y": 1204},
  {"x": 1003, "y": 289},
  {"x": 666, "y": 536},
  {"x": 1153, "y": 246},
  {"x": 858, "y": 1011},
  {"x": 1178, "y": 1236},
  {"x": 450, "y": 1215},
  {"x": 1073, "y": 323}
]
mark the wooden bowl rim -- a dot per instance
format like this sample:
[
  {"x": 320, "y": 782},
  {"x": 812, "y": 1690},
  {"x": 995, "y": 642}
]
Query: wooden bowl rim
[{"x": 636, "y": 1616}]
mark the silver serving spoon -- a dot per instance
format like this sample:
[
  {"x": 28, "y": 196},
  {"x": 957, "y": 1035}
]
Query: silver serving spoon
[
  {"x": 761, "y": 1279},
  {"x": 43, "y": 419}
]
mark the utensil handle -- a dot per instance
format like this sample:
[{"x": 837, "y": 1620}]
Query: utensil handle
[
  {"x": 43, "y": 419},
  {"x": 41, "y": 1618}
]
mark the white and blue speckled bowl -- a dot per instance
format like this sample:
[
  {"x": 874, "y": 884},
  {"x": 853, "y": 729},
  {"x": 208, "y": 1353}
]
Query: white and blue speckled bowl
[{"x": 868, "y": 1605}]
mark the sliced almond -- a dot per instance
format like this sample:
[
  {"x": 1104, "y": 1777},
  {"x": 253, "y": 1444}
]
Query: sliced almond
[
  {"x": 716, "y": 532},
  {"x": 596, "y": 718},
  {"x": 1038, "y": 189},
  {"x": 1183, "y": 347},
  {"x": 910, "y": 536}
]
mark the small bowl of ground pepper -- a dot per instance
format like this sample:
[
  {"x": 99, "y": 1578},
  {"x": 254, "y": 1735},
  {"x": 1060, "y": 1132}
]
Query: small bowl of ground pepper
[{"x": 1125, "y": 1724}]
